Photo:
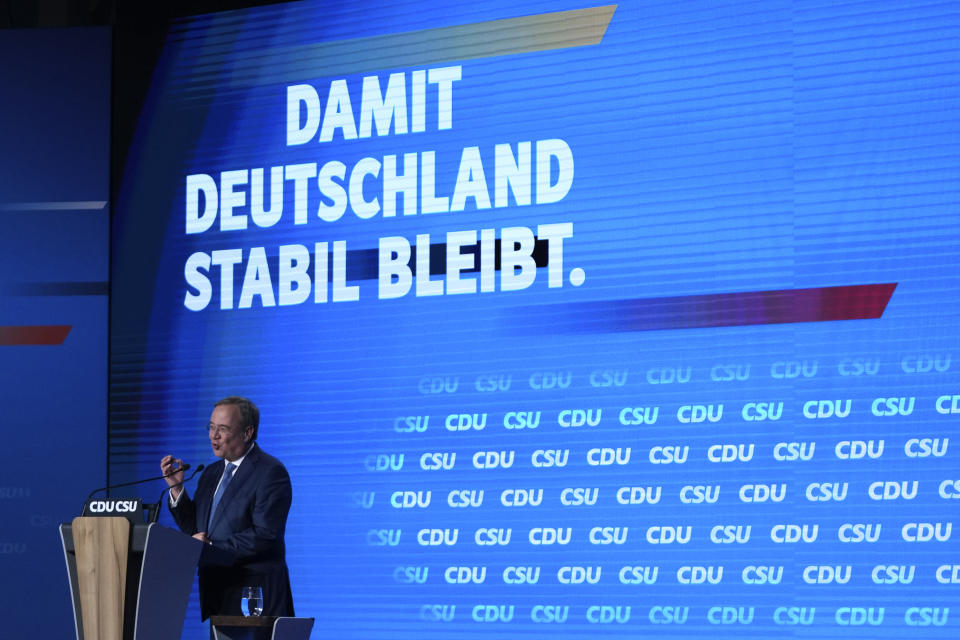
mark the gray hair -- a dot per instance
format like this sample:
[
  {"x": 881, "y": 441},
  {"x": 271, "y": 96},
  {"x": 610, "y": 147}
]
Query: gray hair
[{"x": 249, "y": 414}]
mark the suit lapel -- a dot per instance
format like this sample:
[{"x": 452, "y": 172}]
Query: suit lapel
[{"x": 240, "y": 477}]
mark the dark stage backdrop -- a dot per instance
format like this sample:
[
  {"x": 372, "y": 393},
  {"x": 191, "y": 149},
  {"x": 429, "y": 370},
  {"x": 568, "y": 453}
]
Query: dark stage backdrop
[
  {"x": 54, "y": 186},
  {"x": 567, "y": 320}
]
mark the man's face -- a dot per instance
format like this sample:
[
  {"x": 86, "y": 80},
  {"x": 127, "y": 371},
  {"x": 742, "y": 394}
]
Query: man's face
[{"x": 229, "y": 437}]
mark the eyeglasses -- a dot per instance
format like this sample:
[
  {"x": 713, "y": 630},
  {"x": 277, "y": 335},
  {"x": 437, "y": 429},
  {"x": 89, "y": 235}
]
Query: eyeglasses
[{"x": 221, "y": 429}]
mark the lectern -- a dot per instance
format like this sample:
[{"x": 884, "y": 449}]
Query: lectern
[
  {"x": 260, "y": 628},
  {"x": 128, "y": 580}
]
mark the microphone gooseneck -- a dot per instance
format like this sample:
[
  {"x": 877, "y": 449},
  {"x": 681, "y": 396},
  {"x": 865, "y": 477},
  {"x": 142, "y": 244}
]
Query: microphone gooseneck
[{"x": 127, "y": 484}]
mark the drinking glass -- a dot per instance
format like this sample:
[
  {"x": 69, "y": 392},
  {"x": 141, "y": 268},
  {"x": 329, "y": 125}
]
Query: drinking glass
[{"x": 251, "y": 601}]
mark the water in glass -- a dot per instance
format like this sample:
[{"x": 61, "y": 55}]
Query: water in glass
[{"x": 251, "y": 601}]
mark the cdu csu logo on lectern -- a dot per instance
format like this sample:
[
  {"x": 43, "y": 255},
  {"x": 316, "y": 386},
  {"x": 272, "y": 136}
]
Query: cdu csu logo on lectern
[{"x": 130, "y": 508}]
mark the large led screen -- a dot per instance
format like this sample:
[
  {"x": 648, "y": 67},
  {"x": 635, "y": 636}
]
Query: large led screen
[{"x": 568, "y": 320}]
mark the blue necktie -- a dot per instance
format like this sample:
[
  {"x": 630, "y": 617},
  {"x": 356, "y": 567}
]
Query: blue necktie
[{"x": 227, "y": 474}]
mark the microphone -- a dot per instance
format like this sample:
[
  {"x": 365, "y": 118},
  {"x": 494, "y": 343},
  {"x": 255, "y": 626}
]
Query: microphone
[
  {"x": 156, "y": 509},
  {"x": 127, "y": 484}
]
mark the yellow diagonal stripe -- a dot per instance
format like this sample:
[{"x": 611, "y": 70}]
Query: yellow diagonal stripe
[{"x": 505, "y": 37}]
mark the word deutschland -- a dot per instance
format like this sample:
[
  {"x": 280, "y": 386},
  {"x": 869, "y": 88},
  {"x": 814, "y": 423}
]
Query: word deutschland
[{"x": 539, "y": 173}]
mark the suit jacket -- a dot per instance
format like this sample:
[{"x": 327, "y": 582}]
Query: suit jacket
[{"x": 249, "y": 524}]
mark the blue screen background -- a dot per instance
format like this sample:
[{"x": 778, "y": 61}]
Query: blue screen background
[{"x": 747, "y": 147}]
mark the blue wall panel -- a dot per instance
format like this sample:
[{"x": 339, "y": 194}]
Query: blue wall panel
[{"x": 54, "y": 185}]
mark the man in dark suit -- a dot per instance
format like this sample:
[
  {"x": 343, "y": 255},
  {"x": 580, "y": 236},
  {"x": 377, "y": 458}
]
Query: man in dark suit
[{"x": 241, "y": 506}]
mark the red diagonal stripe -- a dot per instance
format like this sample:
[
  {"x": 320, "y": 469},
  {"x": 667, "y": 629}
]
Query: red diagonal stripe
[
  {"x": 702, "y": 311},
  {"x": 52, "y": 334}
]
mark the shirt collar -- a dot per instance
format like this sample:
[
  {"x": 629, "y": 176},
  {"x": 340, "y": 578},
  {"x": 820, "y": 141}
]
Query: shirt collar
[{"x": 237, "y": 462}]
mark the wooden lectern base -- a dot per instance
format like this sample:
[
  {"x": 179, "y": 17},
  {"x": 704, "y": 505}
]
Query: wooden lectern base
[{"x": 102, "y": 546}]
